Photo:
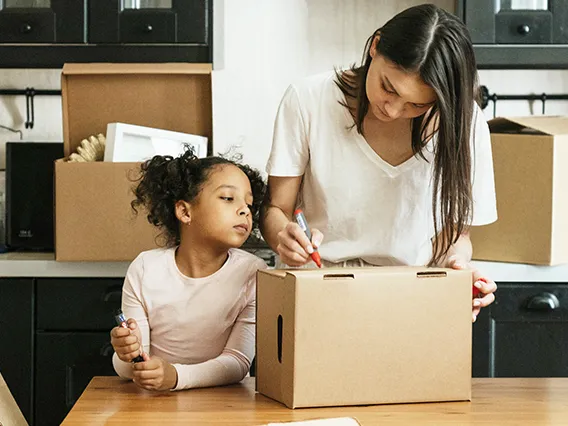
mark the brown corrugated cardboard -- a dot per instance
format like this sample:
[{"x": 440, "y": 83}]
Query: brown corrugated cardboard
[
  {"x": 10, "y": 413},
  {"x": 93, "y": 219},
  {"x": 361, "y": 336},
  {"x": 531, "y": 183}
]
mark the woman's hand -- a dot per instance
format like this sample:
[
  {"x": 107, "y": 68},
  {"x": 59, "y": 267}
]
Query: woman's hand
[
  {"x": 485, "y": 286},
  {"x": 154, "y": 374},
  {"x": 294, "y": 247}
]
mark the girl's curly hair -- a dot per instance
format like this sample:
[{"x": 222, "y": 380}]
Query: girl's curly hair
[{"x": 165, "y": 180}]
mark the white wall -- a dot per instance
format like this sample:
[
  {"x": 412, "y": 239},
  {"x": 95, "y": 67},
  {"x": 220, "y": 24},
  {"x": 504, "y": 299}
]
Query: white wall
[
  {"x": 47, "y": 121},
  {"x": 265, "y": 48}
]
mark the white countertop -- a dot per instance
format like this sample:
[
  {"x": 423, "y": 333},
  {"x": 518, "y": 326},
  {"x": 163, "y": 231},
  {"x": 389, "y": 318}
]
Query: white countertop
[{"x": 44, "y": 265}]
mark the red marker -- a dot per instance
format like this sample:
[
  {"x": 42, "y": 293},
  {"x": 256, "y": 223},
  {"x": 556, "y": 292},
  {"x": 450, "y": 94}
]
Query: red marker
[
  {"x": 301, "y": 220},
  {"x": 476, "y": 291}
]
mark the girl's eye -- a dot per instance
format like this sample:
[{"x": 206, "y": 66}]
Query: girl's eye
[
  {"x": 227, "y": 198},
  {"x": 419, "y": 105}
]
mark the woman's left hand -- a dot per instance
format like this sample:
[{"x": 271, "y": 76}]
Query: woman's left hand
[{"x": 485, "y": 285}]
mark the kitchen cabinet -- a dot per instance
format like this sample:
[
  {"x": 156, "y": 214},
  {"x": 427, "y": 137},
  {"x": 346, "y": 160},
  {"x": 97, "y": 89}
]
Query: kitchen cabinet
[
  {"x": 54, "y": 337},
  {"x": 49, "y": 33},
  {"x": 517, "y": 33},
  {"x": 65, "y": 364},
  {"x": 524, "y": 333}
]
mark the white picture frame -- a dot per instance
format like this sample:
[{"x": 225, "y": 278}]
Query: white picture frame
[{"x": 127, "y": 143}]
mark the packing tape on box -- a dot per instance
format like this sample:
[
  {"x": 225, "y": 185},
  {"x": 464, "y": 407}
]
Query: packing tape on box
[{"x": 336, "y": 421}]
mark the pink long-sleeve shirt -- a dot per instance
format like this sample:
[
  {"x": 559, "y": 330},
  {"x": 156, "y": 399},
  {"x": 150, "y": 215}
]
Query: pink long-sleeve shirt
[{"x": 204, "y": 327}]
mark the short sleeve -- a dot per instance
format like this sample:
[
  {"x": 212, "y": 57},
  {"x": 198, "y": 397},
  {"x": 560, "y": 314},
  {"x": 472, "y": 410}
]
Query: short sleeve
[
  {"x": 290, "y": 153},
  {"x": 483, "y": 188}
]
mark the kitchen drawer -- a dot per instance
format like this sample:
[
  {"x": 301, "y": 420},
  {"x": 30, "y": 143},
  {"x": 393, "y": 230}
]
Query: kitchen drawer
[
  {"x": 77, "y": 304},
  {"x": 520, "y": 27},
  {"x": 531, "y": 302}
]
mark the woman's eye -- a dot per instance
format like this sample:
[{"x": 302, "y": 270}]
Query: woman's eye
[
  {"x": 419, "y": 105},
  {"x": 387, "y": 90},
  {"x": 227, "y": 198}
]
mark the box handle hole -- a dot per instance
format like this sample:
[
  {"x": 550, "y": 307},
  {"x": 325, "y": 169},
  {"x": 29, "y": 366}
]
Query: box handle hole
[
  {"x": 339, "y": 277},
  {"x": 431, "y": 274},
  {"x": 280, "y": 339}
]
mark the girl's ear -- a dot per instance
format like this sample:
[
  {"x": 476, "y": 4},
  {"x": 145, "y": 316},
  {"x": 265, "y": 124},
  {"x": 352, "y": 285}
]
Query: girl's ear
[{"x": 183, "y": 212}]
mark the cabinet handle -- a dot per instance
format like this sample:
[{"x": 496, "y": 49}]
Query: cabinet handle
[
  {"x": 148, "y": 28},
  {"x": 544, "y": 302},
  {"x": 113, "y": 294},
  {"x": 106, "y": 349},
  {"x": 26, "y": 29},
  {"x": 523, "y": 29}
]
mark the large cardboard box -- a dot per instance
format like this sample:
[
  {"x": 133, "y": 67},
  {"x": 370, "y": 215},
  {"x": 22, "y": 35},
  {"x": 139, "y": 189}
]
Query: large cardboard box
[
  {"x": 93, "y": 218},
  {"x": 530, "y": 159},
  {"x": 357, "y": 336}
]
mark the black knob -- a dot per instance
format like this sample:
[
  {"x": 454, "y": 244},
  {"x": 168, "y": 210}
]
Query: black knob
[
  {"x": 148, "y": 28},
  {"x": 523, "y": 29},
  {"x": 26, "y": 29},
  {"x": 543, "y": 302}
]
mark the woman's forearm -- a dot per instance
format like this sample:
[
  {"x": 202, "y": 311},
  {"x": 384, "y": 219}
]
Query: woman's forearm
[{"x": 273, "y": 220}]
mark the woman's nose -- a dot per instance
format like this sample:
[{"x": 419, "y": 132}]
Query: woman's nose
[{"x": 394, "y": 109}]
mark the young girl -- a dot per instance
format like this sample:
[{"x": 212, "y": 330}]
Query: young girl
[
  {"x": 191, "y": 306},
  {"x": 390, "y": 160}
]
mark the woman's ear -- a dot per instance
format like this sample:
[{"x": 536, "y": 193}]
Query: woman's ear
[
  {"x": 183, "y": 212},
  {"x": 374, "y": 43}
]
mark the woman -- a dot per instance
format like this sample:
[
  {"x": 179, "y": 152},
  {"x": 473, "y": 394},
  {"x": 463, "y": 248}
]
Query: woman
[{"x": 391, "y": 160}]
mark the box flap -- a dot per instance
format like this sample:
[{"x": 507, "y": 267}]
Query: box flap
[
  {"x": 108, "y": 68},
  {"x": 542, "y": 124},
  {"x": 174, "y": 97}
]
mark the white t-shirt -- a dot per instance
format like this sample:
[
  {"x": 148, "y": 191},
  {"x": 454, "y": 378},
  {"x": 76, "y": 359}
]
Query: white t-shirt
[
  {"x": 366, "y": 208},
  {"x": 205, "y": 327}
]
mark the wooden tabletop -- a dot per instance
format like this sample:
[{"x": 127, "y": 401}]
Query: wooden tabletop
[{"x": 112, "y": 401}]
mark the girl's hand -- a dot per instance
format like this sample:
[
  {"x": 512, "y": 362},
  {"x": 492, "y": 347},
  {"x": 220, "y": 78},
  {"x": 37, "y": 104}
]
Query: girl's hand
[
  {"x": 126, "y": 341},
  {"x": 485, "y": 286},
  {"x": 154, "y": 374},
  {"x": 294, "y": 247}
]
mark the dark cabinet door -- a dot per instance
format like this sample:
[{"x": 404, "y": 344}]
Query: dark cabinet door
[
  {"x": 150, "y": 21},
  {"x": 512, "y": 22},
  {"x": 86, "y": 304},
  {"x": 16, "y": 340},
  {"x": 513, "y": 34},
  {"x": 65, "y": 363},
  {"x": 524, "y": 333},
  {"x": 42, "y": 21}
]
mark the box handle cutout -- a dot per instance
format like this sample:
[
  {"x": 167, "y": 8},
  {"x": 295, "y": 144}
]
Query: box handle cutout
[
  {"x": 431, "y": 274},
  {"x": 339, "y": 277},
  {"x": 280, "y": 339}
]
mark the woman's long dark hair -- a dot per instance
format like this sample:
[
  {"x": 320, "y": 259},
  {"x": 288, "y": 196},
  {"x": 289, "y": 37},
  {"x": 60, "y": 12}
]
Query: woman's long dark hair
[
  {"x": 435, "y": 44},
  {"x": 164, "y": 180}
]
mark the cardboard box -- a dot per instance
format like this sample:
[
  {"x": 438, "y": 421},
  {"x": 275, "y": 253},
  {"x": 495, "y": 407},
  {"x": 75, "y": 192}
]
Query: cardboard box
[
  {"x": 530, "y": 158},
  {"x": 358, "y": 336},
  {"x": 10, "y": 413},
  {"x": 93, "y": 218}
]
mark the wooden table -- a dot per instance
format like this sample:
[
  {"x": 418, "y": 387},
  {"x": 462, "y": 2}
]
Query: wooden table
[{"x": 110, "y": 400}]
